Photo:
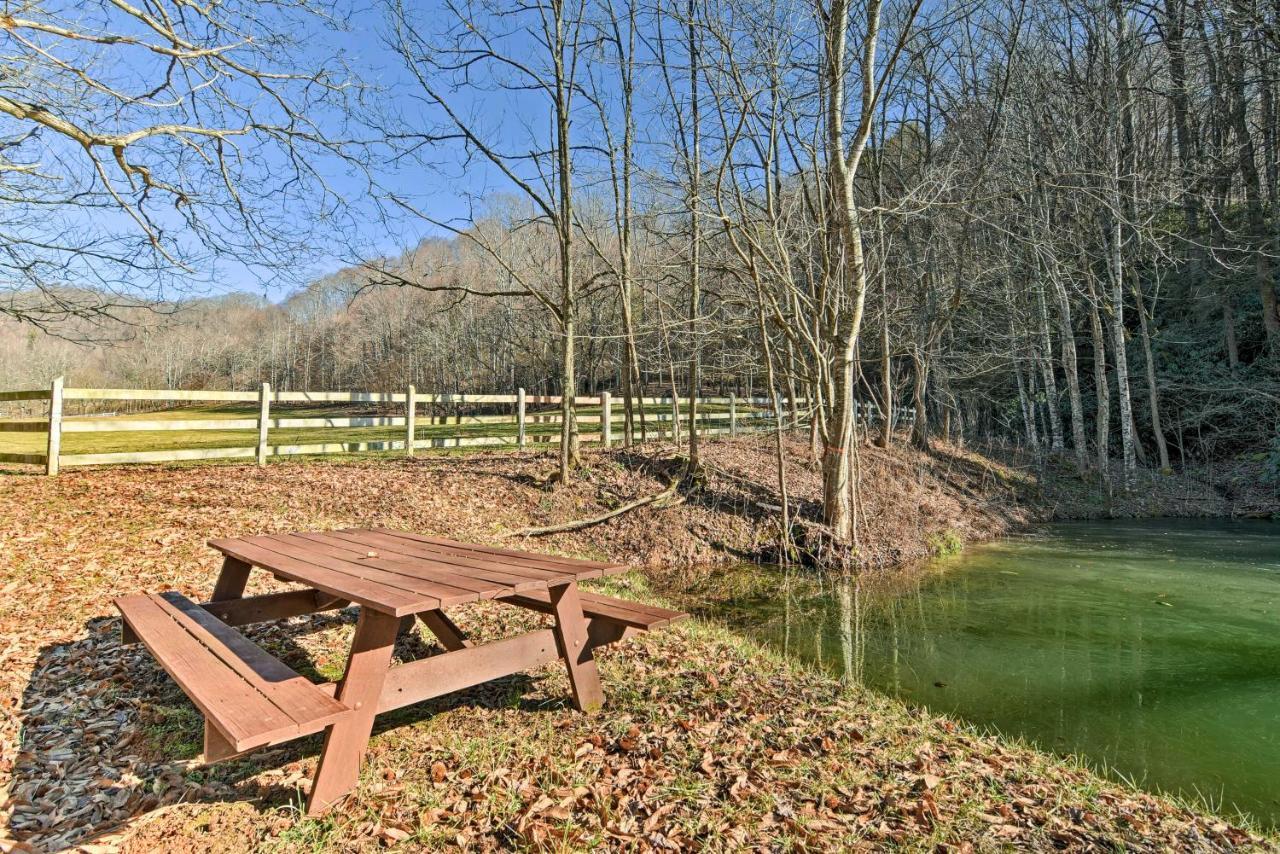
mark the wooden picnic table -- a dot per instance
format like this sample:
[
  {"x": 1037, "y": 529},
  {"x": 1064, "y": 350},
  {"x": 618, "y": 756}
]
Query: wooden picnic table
[{"x": 250, "y": 699}]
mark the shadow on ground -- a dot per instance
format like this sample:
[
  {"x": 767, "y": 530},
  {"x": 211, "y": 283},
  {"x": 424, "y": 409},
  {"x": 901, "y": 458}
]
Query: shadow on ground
[{"x": 107, "y": 736}]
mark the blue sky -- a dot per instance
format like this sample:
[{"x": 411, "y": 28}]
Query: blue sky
[{"x": 442, "y": 180}]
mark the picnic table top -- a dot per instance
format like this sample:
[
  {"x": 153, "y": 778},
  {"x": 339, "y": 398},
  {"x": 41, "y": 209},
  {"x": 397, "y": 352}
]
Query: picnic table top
[{"x": 402, "y": 573}]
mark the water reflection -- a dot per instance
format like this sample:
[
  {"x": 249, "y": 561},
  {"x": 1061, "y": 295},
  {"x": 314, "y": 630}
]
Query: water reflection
[{"x": 1151, "y": 648}]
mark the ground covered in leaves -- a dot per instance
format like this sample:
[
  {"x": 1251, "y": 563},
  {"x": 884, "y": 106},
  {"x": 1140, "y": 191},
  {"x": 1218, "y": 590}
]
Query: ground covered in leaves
[
  {"x": 706, "y": 742},
  {"x": 1233, "y": 487}
]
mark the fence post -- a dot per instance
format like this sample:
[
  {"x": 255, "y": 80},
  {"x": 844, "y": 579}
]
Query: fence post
[
  {"x": 264, "y": 420},
  {"x": 54, "y": 448},
  {"x": 733, "y": 414},
  {"x": 606, "y": 419},
  {"x": 520, "y": 437},
  {"x": 410, "y": 419}
]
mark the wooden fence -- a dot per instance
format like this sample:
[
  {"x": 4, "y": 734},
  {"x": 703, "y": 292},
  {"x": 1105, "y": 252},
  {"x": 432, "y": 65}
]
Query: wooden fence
[{"x": 732, "y": 415}]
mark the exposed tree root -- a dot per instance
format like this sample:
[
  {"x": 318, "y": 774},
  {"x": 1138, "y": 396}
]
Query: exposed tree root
[{"x": 694, "y": 476}]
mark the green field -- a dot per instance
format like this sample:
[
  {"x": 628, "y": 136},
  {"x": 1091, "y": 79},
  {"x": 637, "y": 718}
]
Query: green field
[{"x": 543, "y": 423}]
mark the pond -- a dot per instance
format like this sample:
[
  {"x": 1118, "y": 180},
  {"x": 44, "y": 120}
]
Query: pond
[{"x": 1150, "y": 648}]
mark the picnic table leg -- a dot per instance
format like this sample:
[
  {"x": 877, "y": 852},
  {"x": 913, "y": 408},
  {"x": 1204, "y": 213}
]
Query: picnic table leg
[
  {"x": 231, "y": 581},
  {"x": 230, "y": 585},
  {"x": 449, "y": 635},
  {"x": 360, "y": 690},
  {"x": 571, "y": 636}
]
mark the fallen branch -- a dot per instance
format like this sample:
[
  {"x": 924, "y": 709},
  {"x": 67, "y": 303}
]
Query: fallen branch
[{"x": 663, "y": 498}]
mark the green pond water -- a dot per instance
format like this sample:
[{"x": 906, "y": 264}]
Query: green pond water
[{"x": 1152, "y": 649}]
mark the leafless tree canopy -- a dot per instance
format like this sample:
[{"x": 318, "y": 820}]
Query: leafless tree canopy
[
  {"x": 141, "y": 145},
  {"x": 1047, "y": 222}
]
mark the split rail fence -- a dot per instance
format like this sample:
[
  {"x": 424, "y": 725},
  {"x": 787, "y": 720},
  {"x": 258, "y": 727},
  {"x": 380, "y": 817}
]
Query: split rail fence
[{"x": 730, "y": 416}]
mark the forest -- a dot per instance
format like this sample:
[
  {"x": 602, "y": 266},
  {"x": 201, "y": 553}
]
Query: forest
[{"x": 1045, "y": 223}]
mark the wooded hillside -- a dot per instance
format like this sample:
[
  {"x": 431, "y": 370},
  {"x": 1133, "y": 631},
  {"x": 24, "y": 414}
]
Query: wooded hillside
[{"x": 1045, "y": 222}]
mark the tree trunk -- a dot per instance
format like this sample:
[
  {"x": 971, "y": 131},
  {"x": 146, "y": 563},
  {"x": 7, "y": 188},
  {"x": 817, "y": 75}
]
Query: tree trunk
[
  {"x": 886, "y": 376},
  {"x": 568, "y": 289},
  {"x": 1070, "y": 368},
  {"x": 695, "y": 246},
  {"x": 1118, "y": 347},
  {"x": 793, "y": 413},
  {"x": 1253, "y": 194},
  {"x": 1027, "y": 404},
  {"x": 844, "y": 225},
  {"x": 631, "y": 383},
  {"x": 568, "y": 413},
  {"x": 1153, "y": 391},
  {"x": 919, "y": 399},
  {"x": 1121, "y": 208},
  {"x": 1050, "y": 381},
  {"x": 1229, "y": 332},
  {"x": 836, "y": 506},
  {"x": 628, "y": 360},
  {"x": 1102, "y": 420},
  {"x": 779, "y": 446}
]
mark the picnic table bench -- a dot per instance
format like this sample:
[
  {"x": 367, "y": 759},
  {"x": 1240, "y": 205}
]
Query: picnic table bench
[{"x": 250, "y": 699}]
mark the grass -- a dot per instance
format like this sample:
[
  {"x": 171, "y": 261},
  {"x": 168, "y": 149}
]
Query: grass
[
  {"x": 175, "y": 729},
  {"x": 310, "y": 835},
  {"x": 737, "y": 743},
  {"x": 946, "y": 543}
]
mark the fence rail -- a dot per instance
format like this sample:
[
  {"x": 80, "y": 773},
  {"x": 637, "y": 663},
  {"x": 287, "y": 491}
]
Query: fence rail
[{"x": 743, "y": 413}]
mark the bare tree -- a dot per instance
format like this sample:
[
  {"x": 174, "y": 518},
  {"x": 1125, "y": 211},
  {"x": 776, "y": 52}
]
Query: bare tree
[
  {"x": 145, "y": 145},
  {"x": 534, "y": 50},
  {"x": 841, "y": 317}
]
